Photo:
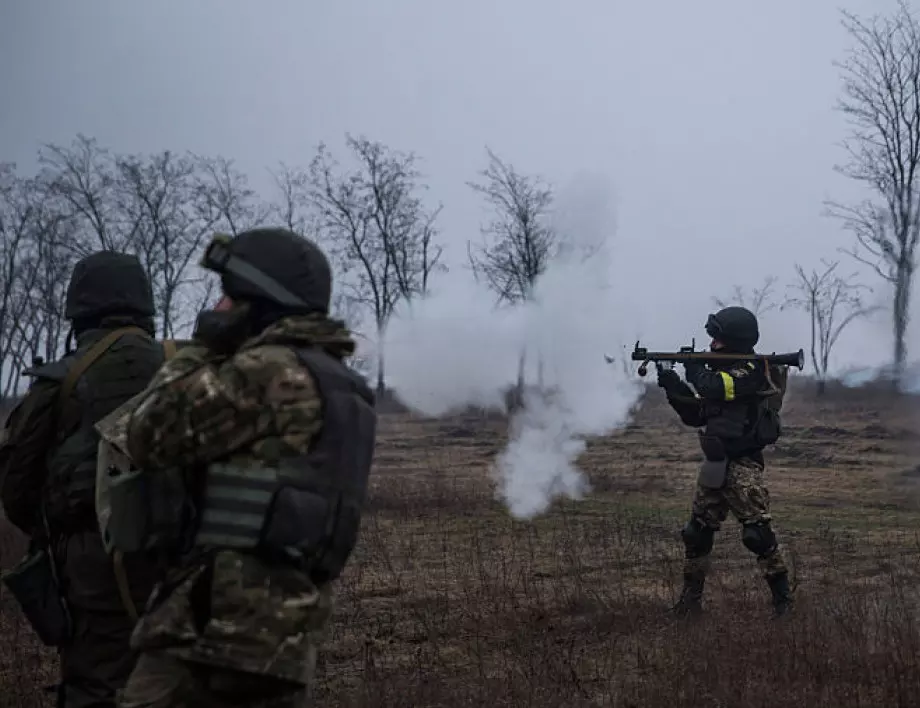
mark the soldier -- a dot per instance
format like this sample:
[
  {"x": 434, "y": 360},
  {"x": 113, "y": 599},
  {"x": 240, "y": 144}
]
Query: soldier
[
  {"x": 47, "y": 471},
  {"x": 730, "y": 404},
  {"x": 271, "y": 436}
]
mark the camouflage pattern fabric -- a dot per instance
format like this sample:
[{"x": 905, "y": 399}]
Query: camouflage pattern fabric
[
  {"x": 162, "y": 681},
  {"x": 227, "y": 610},
  {"x": 746, "y": 496}
]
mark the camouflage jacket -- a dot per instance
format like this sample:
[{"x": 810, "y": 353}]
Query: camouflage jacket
[{"x": 217, "y": 606}]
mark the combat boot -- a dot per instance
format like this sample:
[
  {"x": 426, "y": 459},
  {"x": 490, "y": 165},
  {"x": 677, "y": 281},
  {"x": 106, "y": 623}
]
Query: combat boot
[
  {"x": 691, "y": 596},
  {"x": 782, "y": 595}
]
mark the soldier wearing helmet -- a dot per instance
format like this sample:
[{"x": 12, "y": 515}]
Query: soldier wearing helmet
[
  {"x": 271, "y": 437},
  {"x": 727, "y": 404},
  {"x": 47, "y": 468}
]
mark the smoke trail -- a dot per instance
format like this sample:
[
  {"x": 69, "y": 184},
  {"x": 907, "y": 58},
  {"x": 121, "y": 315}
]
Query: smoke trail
[{"x": 454, "y": 349}]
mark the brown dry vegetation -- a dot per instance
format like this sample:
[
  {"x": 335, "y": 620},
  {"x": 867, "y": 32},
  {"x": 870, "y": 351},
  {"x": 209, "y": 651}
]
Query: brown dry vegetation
[{"x": 449, "y": 601}]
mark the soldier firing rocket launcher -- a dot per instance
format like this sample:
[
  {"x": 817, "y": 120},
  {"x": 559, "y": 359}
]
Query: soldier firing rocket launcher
[{"x": 689, "y": 354}]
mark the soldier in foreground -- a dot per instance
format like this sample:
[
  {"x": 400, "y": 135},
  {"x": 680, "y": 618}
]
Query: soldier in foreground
[
  {"x": 271, "y": 438},
  {"x": 78, "y": 598},
  {"x": 730, "y": 407}
]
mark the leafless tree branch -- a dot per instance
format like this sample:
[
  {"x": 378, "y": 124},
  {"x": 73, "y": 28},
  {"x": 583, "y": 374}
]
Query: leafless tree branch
[
  {"x": 379, "y": 233},
  {"x": 758, "y": 300},
  {"x": 881, "y": 101},
  {"x": 832, "y": 302}
]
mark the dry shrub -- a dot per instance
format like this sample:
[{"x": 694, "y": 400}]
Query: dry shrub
[
  {"x": 572, "y": 611},
  {"x": 448, "y": 601}
]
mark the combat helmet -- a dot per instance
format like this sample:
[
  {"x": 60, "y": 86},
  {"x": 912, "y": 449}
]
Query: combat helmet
[
  {"x": 108, "y": 283},
  {"x": 736, "y": 327},
  {"x": 272, "y": 266}
]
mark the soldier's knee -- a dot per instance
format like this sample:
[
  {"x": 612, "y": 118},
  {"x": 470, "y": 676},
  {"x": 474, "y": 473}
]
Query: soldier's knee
[
  {"x": 759, "y": 538},
  {"x": 698, "y": 538}
]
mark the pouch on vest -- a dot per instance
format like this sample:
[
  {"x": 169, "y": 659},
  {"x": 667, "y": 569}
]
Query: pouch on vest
[
  {"x": 714, "y": 468},
  {"x": 307, "y": 509},
  {"x": 727, "y": 421},
  {"x": 322, "y": 529},
  {"x": 147, "y": 510},
  {"x": 128, "y": 527},
  {"x": 769, "y": 426},
  {"x": 126, "y": 522},
  {"x": 34, "y": 584},
  {"x": 284, "y": 513}
]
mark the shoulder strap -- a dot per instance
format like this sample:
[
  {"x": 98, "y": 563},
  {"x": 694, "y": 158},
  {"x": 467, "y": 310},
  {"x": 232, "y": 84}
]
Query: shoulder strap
[
  {"x": 80, "y": 366},
  {"x": 124, "y": 587},
  {"x": 169, "y": 348}
]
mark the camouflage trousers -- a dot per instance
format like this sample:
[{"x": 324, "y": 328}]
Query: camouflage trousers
[
  {"x": 163, "y": 681},
  {"x": 746, "y": 496}
]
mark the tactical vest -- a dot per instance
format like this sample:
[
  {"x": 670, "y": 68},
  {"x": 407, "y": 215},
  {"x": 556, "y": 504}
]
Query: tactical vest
[
  {"x": 97, "y": 378},
  {"x": 305, "y": 510},
  {"x": 747, "y": 425}
]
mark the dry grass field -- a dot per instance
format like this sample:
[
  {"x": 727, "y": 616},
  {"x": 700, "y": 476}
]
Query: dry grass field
[{"x": 450, "y": 602}]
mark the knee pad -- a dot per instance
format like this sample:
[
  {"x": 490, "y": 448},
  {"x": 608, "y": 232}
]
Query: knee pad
[
  {"x": 698, "y": 538},
  {"x": 759, "y": 538}
]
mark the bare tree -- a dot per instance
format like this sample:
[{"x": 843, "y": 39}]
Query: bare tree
[
  {"x": 292, "y": 207},
  {"x": 881, "y": 100},
  {"x": 161, "y": 207},
  {"x": 173, "y": 215},
  {"x": 758, "y": 300},
  {"x": 82, "y": 178},
  {"x": 377, "y": 229},
  {"x": 227, "y": 195},
  {"x": 85, "y": 198},
  {"x": 18, "y": 268},
  {"x": 518, "y": 244},
  {"x": 31, "y": 285},
  {"x": 832, "y": 303},
  {"x": 53, "y": 230}
]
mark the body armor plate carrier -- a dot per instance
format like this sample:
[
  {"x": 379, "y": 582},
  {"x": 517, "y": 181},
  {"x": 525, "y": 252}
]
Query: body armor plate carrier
[
  {"x": 127, "y": 358},
  {"x": 308, "y": 509}
]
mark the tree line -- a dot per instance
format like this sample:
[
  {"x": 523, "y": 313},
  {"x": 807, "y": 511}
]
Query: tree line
[
  {"x": 370, "y": 215},
  {"x": 382, "y": 233},
  {"x": 880, "y": 99}
]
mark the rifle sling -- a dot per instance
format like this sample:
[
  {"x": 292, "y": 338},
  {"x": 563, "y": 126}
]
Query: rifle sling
[
  {"x": 87, "y": 360},
  {"x": 70, "y": 381}
]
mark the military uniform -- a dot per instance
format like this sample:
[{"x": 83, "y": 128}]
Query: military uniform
[
  {"x": 273, "y": 438},
  {"x": 48, "y": 462},
  {"x": 729, "y": 406}
]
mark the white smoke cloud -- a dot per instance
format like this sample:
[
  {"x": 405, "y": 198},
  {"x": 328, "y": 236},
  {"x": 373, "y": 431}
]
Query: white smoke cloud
[{"x": 454, "y": 349}]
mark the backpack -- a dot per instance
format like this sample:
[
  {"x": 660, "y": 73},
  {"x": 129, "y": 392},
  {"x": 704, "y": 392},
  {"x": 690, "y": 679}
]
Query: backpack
[
  {"x": 109, "y": 455},
  {"x": 92, "y": 381},
  {"x": 769, "y": 425}
]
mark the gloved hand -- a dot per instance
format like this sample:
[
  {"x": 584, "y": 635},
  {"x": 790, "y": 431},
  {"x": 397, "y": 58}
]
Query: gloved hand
[{"x": 668, "y": 379}]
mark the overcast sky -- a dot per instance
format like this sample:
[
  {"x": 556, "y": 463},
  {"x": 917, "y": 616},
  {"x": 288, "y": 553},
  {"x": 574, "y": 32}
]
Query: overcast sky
[{"x": 713, "y": 121}]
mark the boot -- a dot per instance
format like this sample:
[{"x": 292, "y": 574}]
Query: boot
[
  {"x": 782, "y": 595},
  {"x": 691, "y": 596}
]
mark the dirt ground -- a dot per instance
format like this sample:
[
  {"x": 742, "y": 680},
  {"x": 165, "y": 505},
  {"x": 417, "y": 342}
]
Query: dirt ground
[{"x": 449, "y": 601}]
